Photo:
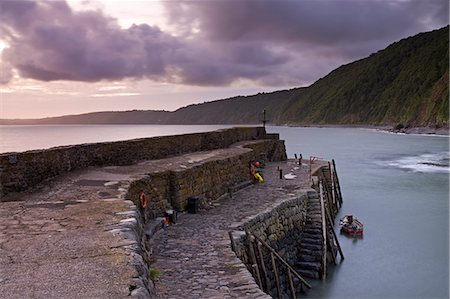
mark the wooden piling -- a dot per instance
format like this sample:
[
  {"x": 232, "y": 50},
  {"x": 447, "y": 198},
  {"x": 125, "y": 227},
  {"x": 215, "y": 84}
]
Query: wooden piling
[
  {"x": 253, "y": 260},
  {"x": 324, "y": 232},
  {"x": 333, "y": 188},
  {"x": 233, "y": 245},
  {"x": 335, "y": 192},
  {"x": 263, "y": 266},
  {"x": 338, "y": 186},
  {"x": 275, "y": 272},
  {"x": 330, "y": 247},
  {"x": 335, "y": 238},
  {"x": 291, "y": 284},
  {"x": 284, "y": 262},
  {"x": 328, "y": 201}
]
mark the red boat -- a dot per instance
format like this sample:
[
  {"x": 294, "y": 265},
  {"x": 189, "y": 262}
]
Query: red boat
[{"x": 351, "y": 226}]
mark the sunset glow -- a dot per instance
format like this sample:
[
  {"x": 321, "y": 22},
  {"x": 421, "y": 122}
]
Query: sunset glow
[{"x": 80, "y": 56}]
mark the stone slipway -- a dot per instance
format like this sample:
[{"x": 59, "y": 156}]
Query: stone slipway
[
  {"x": 195, "y": 255},
  {"x": 58, "y": 241}
]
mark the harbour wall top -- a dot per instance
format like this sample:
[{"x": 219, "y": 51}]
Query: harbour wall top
[{"x": 21, "y": 171}]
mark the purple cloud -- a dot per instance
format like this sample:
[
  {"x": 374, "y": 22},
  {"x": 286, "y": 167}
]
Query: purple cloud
[{"x": 271, "y": 42}]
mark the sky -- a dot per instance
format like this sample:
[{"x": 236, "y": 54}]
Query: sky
[{"x": 77, "y": 56}]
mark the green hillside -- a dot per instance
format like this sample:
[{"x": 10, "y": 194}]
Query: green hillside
[
  {"x": 406, "y": 83},
  {"x": 237, "y": 110}
]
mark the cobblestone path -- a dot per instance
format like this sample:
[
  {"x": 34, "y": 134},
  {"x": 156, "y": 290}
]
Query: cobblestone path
[
  {"x": 55, "y": 242},
  {"x": 195, "y": 255}
]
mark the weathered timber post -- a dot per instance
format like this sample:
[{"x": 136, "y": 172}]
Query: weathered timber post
[
  {"x": 337, "y": 182},
  {"x": 291, "y": 284},
  {"x": 263, "y": 266},
  {"x": 284, "y": 262},
  {"x": 333, "y": 189},
  {"x": 275, "y": 272},
  {"x": 253, "y": 260},
  {"x": 335, "y": 237},
  {"x": 324, "y": 232}
]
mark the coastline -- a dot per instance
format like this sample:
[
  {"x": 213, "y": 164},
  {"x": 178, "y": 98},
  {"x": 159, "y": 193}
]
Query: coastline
[{"x": 441, "y": 131}]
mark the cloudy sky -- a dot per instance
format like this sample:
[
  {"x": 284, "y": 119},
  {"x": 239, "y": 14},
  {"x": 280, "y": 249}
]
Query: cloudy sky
[{"x": 76, "y": 56}]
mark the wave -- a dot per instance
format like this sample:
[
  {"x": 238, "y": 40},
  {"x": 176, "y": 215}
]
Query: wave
[
  {"x": 426, "y": 163},
  {"x": 407, "y": 134}
]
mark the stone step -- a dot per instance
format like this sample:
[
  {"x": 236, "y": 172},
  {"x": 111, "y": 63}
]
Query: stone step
[
  {"x": 305, "y": 241},
  {"x": 314, "y": 226},
  {"x": 317, "y": 236},
  {"x": 313, "y": 209},
  {"x": 312, "y": 194},
  {"x": 308, "y": 273},
  {"x": 312, "y": 231},
  {"x": 315, "y": 214},
  {"x": 309, "y": 265},
  {"x": 308, "y": 252},
  {"x": 311, "y": 247},
  {"x": 309, "y": 258},
  {"x": 313, "y": 200}
]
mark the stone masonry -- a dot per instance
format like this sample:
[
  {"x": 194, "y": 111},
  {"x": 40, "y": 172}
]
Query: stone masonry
[{"x": 80, "y": 230}]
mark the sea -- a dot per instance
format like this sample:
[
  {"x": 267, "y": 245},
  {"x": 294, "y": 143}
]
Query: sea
[{"x": 397, "y": 185}]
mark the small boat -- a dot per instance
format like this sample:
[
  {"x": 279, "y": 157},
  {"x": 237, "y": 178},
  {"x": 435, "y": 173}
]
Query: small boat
[{"x": 351, "y": 226}]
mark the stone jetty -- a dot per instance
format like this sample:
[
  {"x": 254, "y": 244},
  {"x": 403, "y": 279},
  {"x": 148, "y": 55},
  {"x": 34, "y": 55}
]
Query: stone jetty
[{"x": 82, "y": 230}]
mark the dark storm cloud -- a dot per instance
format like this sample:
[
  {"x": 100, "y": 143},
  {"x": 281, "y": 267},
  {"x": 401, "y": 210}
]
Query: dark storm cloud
[
  {"x": 274, "y": 43},
  {"x": 48, "y": 41},
  {"x": 309, "y": 23}
]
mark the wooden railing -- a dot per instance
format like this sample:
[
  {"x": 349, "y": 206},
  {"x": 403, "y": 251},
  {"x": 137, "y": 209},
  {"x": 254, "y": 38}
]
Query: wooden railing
[
  {"x": 327, "y": 227},
  {"x": 274, "y": 256}
]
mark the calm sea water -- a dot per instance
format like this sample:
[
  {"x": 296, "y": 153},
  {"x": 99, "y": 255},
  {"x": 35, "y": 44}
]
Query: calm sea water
[
  {"x": 397, "y": 185},
  {"x": 23, "y": 138}
]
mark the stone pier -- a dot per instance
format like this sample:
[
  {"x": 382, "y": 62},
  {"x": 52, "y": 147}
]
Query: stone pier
[{"x": 78, "y": 229}]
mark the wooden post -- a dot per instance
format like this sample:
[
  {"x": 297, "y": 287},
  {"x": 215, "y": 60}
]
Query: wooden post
[
  {"x": 253, "y": 260},
  {"x": 291, "y": 284},
  {"x": 335, "y": 192},
  {"x": 324, "y": 232},
  {"x": 337, "y": 182},
  {"x": 328, "y": 206},
  {"x": 281, "y": 173},
  {"x": 300, "y": 160},
  {"x": 264, "y": 118},
  {"x": 335, "y": 238},
  {"x": 310, "y": 168},
  {"x": 330, "y": 247},
  {"x": 275, "y": 271},
  {"x": 333, "y": 187},
  {"x": 233, "y": 245},
  {"x": 284, "y": 262},
  {"x": 263, "y": 266}
]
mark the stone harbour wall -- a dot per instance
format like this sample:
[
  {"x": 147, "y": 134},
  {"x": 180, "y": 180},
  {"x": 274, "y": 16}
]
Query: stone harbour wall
[
  {"x": 209, "y": 180},
  {"x": 171, "y": 189},
  {"x": 21, "y": 171},
  {"x": 282, "y": 228}
]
